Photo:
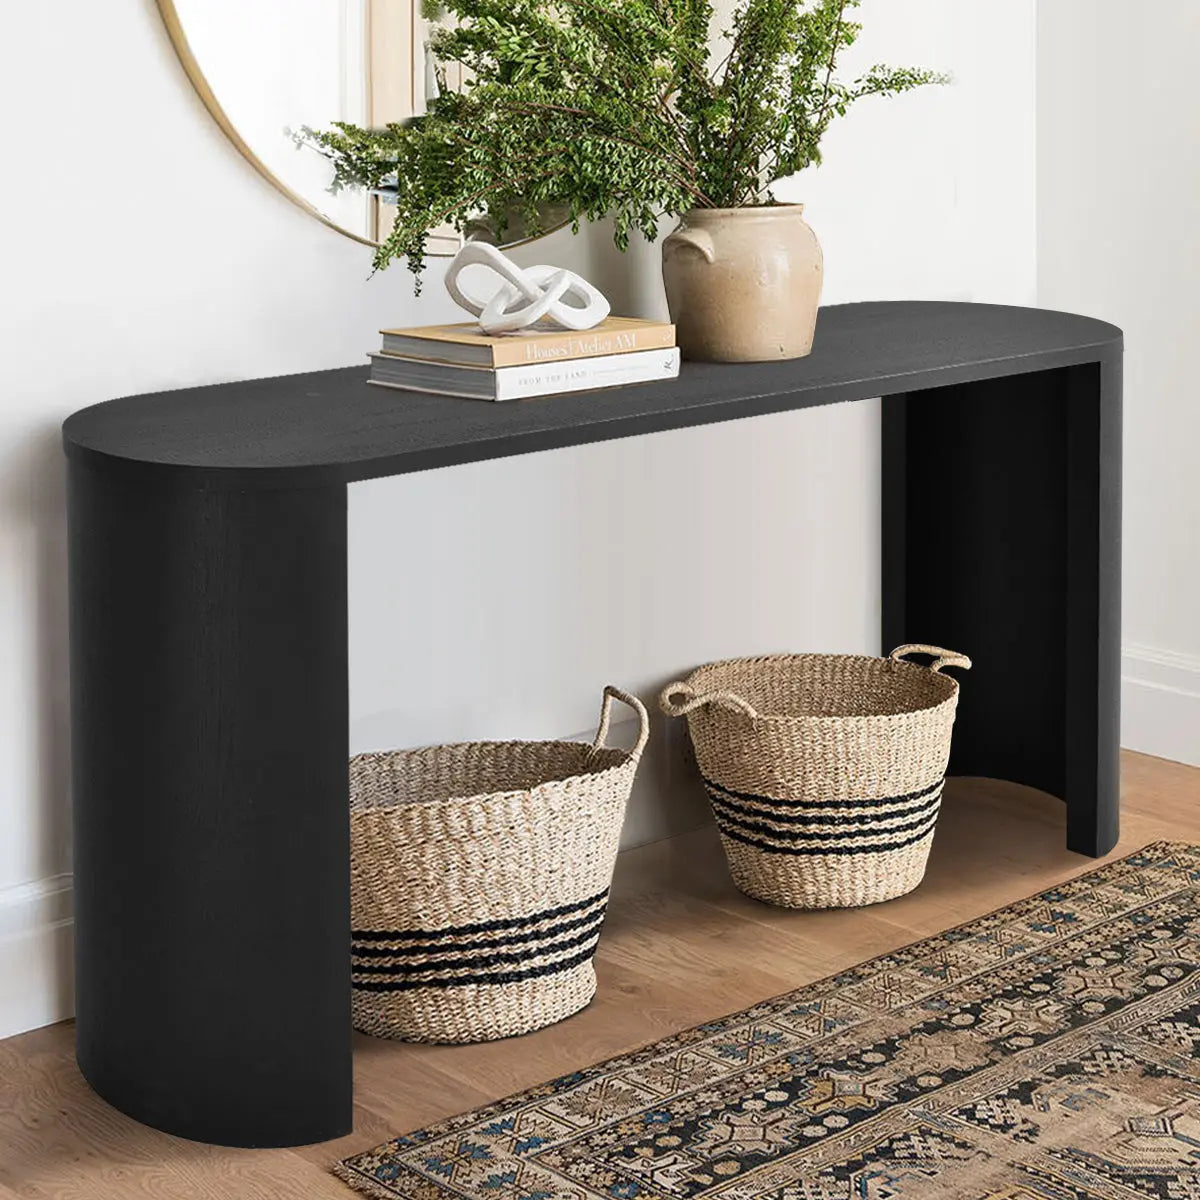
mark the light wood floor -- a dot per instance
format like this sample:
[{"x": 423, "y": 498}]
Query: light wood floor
[{"x": 681, "y": 946}]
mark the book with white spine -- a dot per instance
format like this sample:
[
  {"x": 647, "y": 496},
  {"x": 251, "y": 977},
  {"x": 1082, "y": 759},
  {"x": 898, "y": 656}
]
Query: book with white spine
[{"x": 522, "y": 382}]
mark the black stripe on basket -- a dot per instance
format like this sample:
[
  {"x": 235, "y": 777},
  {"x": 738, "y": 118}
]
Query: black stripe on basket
[
  {"x": 450, "y": 931},
  {"x": 861, "y": 848},
  {"x": 726, "y": 821},
  {"x": 724, "y": 804},
  {"x": 409, "y": 985},
  {"x": 825, "y": 805},
  {"x": 437, "y": 946},
  {"x": 465, "y": 962}
]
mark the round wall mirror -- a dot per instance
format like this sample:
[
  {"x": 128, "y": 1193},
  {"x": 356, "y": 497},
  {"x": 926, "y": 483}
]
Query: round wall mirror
[{"x": 266, "y": 68}]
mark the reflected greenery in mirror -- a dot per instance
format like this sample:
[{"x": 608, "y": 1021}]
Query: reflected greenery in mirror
[{"x": 609, "y": 107}]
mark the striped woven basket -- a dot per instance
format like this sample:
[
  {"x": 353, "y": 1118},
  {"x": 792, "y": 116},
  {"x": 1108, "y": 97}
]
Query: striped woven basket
[
  {"x": 825, "y": 771},
  {"x": 479, "y": 879}
]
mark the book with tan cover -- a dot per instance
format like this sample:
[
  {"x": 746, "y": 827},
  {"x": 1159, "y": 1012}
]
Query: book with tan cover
[{"x": 465, "y": 344}]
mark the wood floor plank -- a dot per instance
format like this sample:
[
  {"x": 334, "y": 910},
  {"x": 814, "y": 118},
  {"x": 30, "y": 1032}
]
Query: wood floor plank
[
  {"x": 681, "y": 946},
  {"x": 59, "y": 1141}
]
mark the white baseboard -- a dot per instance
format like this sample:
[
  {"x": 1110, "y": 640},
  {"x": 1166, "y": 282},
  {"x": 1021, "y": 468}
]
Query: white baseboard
[
  {"x": 1160, "y": 703},
  {"x": 36, "y": 963}
]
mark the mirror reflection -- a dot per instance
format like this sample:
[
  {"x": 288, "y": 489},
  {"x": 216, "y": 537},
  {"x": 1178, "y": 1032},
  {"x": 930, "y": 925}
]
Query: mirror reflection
[{"x": 267, "y": 68}]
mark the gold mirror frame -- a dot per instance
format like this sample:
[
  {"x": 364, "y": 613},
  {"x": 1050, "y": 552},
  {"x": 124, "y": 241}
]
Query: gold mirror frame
[{"x": 192, "y": 69}]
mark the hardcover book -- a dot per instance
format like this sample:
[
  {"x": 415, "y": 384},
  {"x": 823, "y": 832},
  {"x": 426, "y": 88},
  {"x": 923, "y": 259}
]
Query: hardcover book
[
  {"x": 464, "y": 343},
  {"x": 516, "y": 383}
]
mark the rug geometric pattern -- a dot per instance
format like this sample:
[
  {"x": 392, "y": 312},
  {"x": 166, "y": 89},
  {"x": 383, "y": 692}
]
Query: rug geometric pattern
[{"x": 1047, "y": 1051}]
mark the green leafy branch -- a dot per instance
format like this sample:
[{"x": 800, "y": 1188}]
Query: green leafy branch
[{"x": 591, "y": 108}]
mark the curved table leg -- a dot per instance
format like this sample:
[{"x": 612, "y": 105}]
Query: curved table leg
[
  {"x": 1001, "y": 539},
  {"x": 209, "y": 710}
]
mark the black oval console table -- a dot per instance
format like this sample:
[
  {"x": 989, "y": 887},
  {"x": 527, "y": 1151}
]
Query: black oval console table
[{"x": 209, "y": 658}]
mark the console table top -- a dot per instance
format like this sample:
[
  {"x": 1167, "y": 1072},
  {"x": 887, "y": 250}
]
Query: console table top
[{"x": 330, "y": 427}]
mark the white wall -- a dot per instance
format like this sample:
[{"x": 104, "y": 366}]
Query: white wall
[
  {"x": 141, "y": 253},
  {"x": 1119, "y": 238}
]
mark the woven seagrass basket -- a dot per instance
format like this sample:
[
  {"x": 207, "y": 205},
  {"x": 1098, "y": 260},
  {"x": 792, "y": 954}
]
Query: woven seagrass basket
[
  {"x": 479, "y": 875},
  {"x": 825, "y": 771}
]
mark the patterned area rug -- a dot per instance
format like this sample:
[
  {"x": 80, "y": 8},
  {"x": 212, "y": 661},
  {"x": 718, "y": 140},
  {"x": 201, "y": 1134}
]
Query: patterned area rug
[{"x": 1049, "y": 1051}]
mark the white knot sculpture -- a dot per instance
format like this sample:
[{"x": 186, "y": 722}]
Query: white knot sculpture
[{"x": 551, "y": 296}]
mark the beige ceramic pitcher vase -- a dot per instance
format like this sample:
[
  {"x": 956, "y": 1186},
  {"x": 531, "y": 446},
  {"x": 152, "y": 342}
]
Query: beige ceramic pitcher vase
[{"x": 743, "y": 283}]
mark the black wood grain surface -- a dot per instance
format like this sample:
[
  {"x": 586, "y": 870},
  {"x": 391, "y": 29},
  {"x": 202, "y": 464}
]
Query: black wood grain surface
[{"x": 332, "y": 427}]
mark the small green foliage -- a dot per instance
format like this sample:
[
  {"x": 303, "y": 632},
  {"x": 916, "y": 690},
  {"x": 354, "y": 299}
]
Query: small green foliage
[{"x": 596, "y": 107}]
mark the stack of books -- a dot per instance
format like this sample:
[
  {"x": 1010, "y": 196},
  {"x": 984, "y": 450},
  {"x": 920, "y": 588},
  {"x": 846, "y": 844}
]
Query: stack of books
[{"x": 459, "y": 360}]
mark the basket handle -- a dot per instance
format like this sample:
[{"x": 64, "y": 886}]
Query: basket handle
[
  {"x": 679, "y": 699},
  {"x": 942, "y": 658},
  {"x": 614, "y": 693}
]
